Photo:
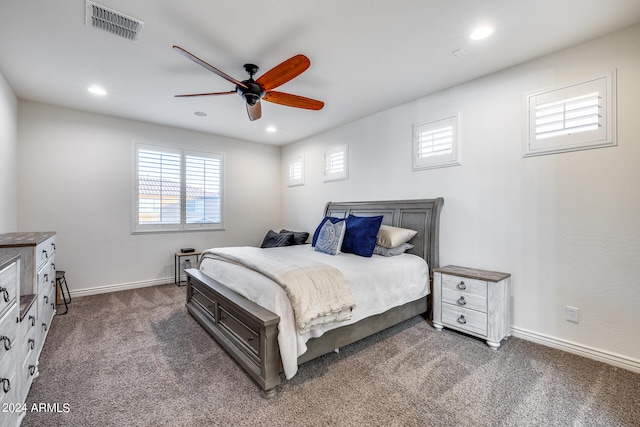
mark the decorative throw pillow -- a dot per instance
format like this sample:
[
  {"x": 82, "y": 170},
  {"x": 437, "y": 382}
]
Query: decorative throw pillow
[
  {"x": 299, "y": 237},
  {"x": 398, "y": 250},
  {"x": 275, "y": 240},
  {"x": 361, "y": 234},
  {"x": 333, "y": 220},
  {"x": 330, "y": 237},
  {"x": 391, "y": 237}
]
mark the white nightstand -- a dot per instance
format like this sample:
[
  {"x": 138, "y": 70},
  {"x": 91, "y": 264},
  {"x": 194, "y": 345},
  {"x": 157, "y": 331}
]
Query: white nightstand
[{"x": 472, "y": 301}]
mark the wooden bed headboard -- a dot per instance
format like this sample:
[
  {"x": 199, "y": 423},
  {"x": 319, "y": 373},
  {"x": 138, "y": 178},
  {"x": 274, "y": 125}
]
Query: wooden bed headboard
[{"x": 422, "y": 215}]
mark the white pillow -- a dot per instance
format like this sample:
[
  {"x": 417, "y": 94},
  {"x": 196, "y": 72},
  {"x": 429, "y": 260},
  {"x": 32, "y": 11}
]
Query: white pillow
[{"x": 390, "y": 237}]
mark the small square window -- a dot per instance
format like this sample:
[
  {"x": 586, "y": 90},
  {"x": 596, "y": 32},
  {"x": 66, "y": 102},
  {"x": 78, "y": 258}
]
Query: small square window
[
  {"x": 295, "y": 172},
  {"x": 569, "y": 117},
  {"x": 435, "y": 144},
  {"x": 336, "y": 163}
]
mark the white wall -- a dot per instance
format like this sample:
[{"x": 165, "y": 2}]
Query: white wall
[
  {"x": 565, "y": 226},
  {"x": 8, "y": 158},
  {"x": 75, "y": 178}
]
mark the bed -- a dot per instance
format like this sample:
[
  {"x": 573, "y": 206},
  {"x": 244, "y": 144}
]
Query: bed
[{"x": 220, "y": 298}]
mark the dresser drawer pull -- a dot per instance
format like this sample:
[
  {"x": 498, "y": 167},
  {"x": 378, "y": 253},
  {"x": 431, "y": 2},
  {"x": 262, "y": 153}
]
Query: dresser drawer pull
[
  {"x": 44, "y": 327},
  {"x": 33, "y": 320},
  {"x": 6, "y": 384},
  {"x": 5, "y": 293},
  {"x": 461, "y": 286},
  {"x": 32, "y": 370},
  {"x": 250, "y": 339},
  {"x": 7, "y": 342},
  {"x": 46, "y": 299},
  {"x": 462, "y": 320},
  {"x": 32, "y": 343},
  {"x": 461, "y": 301},
  {"x": 44, "y": 251}
]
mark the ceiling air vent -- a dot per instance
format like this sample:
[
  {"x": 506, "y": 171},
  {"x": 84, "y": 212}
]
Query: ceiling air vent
[{"x": 113, "y": 21}]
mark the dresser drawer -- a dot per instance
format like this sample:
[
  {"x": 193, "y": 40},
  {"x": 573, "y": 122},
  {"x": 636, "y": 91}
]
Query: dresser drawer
[
  {"x": 464, "y": 319},
  {"x": 462, "y": 299},
  {"x": 46, "y": 277},
  {"x": 45, "y": 250},
  {"x": 8, "y": 286},
  {"x": 9, "y": 334}
]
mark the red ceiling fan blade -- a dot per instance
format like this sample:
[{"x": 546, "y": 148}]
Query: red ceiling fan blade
[
  {"x": 282, "y": 73},
  {"x": 254, "y": 111},
  {"x": 208, "y": 66},
  {"x": 206, "y": 94},
  {"x": 293, "y": 100}
]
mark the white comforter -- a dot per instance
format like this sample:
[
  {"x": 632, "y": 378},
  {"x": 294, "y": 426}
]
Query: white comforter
[
  {"x": 318, "y": 293},
  {"x": 377, "y": 284}
]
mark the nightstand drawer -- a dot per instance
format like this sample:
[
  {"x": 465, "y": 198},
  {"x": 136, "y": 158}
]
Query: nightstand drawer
[
  {"x": 464, "y": 319},
  {"x": 464, "y": 284},
  {"x": 465, "y": 300}
]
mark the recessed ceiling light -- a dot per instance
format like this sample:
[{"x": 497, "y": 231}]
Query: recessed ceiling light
[
  {"x": 481, "y": 33},
  {"x": 271, "y": 129},
  {"x": 200, "y": 114},
  {"x": 97, "y": 90}
]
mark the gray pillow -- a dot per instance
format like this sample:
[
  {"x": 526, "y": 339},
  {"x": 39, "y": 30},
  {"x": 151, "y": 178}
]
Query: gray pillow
[
  {"x": 398, "y": 250},
  {"x": 275, "y": 240}
]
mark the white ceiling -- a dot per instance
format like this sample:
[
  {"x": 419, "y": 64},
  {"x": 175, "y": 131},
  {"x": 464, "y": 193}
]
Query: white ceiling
[{"x": 366, "y": 55}]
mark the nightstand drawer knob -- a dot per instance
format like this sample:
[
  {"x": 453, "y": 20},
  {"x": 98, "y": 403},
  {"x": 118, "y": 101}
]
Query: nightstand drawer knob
[
  {"x": 462, "y": 320},
  {"x": 461, "y": 301},
  {"x": 461, "y": 286}
]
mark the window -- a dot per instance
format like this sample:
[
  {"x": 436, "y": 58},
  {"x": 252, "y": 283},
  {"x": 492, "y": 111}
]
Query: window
[
  {"x": 571, "y": 117},
  {"x": 435, "y": 144},
  {"x": 175, "y": 190},
  {"x": 296, "y": 171},
  {"x": 336, "y": 163}
]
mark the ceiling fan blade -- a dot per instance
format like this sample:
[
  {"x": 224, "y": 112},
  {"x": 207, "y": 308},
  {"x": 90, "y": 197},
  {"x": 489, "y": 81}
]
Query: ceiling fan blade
[
  {"x": 254, "y": 111},
  {"x": 209, "y": 67},
  {"x": 293, "y": 100},
  {"x": 206, "y": 94},
  {"x": 282, "y": 73}
]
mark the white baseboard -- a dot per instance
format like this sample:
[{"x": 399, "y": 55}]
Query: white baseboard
[
  {"x": 581, "y": 350},
  {"x": 119, "y": 287}
]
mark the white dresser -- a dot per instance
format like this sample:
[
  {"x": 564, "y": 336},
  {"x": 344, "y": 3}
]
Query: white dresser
[
  {"x": 9, "y": 340},
  {"x": 34, "y": 305},
  {"x": 473, "y": 301}
]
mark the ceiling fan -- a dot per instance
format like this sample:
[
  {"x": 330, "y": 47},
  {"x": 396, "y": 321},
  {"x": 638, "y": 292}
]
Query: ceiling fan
[{"x": 252, "y": 91}]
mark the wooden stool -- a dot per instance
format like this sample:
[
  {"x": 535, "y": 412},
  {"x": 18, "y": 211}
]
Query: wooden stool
[{"x": 60, "y": 281}]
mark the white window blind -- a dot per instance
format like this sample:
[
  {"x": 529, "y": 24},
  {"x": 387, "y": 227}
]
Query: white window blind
[
  {"x": 176, "y": 190},
  {"x": 571, "y": 117},
  {"x": 295, "y": 172},
  {"x": 336, "y": 163},
  {"x": 435, "y": 144}
]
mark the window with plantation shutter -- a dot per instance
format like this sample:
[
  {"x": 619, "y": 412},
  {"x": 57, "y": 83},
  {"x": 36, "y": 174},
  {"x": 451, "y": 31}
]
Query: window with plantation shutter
[
  {"x": 435, "y": 144},
  {"x": 336, "y": 163},
  {"x": 175, "y": 190},
  {"x": 571, "y": 117},
  {"x": 296, "y": 172}
]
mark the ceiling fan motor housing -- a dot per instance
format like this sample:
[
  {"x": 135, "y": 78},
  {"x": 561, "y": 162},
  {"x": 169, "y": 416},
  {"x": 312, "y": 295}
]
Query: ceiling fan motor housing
[{"x": 252, "y": 94}]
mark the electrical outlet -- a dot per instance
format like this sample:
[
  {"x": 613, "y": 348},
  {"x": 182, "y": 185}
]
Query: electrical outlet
[{"x": 573, "y": 314}]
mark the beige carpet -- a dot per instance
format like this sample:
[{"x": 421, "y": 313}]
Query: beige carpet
[{"x": 137, "y": 358}]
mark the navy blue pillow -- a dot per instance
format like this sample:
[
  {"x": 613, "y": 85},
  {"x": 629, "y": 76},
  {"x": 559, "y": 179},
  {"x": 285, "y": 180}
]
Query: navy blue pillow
[
  {"x": 361, "y": 234},
  {"x": 333, "y": 220}
]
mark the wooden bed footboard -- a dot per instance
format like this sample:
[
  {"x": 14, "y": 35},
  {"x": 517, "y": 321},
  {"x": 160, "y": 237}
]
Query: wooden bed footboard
[{"x": 247, "y": 331}]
